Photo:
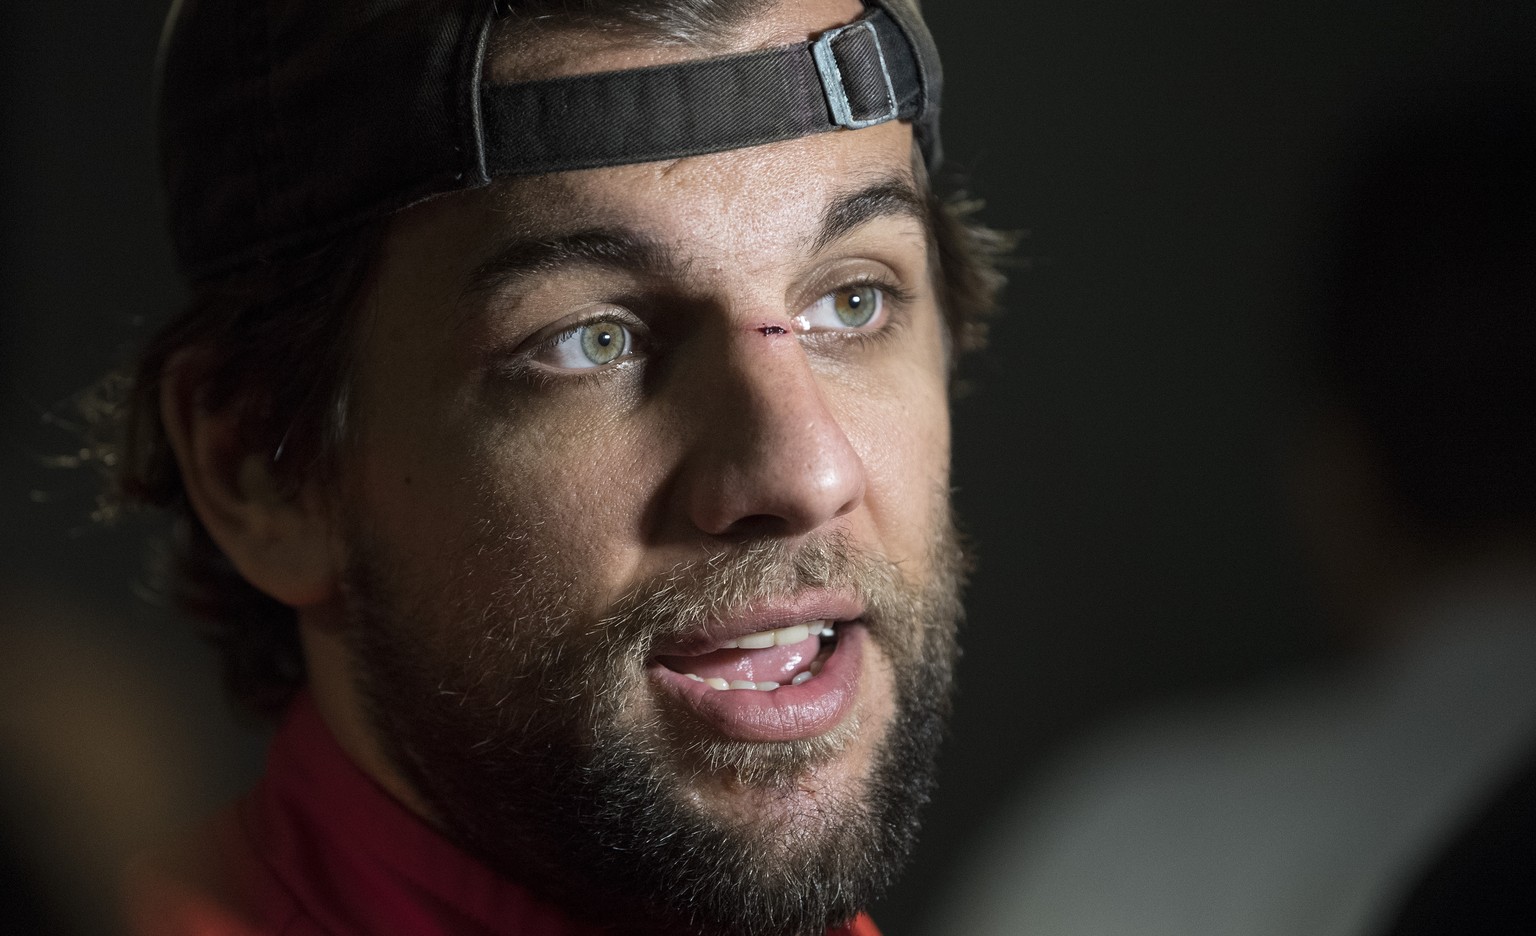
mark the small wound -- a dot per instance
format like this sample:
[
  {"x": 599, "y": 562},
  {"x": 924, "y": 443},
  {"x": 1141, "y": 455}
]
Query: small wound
[{"x": 774, "y": 330}]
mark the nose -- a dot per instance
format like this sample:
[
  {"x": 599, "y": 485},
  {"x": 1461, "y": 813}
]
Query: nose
[{"x": 770, "y": 457}]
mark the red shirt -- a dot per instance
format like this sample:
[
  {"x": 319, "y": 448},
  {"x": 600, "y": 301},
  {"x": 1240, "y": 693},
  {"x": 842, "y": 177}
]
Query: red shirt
[{"x": 318, "y": 848}]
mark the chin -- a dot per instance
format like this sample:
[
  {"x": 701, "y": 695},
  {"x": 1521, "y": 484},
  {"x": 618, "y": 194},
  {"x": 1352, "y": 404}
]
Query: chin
[{"x": 788, "y": 785}]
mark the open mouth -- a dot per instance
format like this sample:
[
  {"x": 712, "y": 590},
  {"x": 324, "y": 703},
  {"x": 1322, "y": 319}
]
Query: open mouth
[
  {"x": 782, "y": 683},
  {"x": 763, "y": 661}
]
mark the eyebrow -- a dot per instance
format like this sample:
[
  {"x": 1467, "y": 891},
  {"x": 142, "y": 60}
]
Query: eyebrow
[
  {"x": 892, "y": 196},
  {"x": 631, "y": 251},
  {"x": 610, "y": 248}
]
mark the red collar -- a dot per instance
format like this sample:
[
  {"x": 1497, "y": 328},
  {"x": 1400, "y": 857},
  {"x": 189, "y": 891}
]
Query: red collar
[
  {"x": 319, "y": 847},
  {"x": 359, "y": 862}
]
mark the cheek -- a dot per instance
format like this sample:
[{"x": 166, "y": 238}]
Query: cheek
[
  {"x": 902, "y": 436},
  {"x": 574, "y": 486},
  {"x": 906, "y": 459},
  {"x": 564, "y": 481}
]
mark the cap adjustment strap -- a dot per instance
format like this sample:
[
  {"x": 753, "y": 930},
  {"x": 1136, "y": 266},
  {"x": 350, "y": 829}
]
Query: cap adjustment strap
[
  {"x": 850, "y": 77},
  {"x": 850, "y": 59}
]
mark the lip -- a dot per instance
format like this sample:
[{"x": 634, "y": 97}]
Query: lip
[
  {"x": 812, "y": 605},
  {"x": 788, "y": 713}
]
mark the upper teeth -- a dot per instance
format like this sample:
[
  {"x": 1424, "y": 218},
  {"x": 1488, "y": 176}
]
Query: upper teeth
[{"x": 780, "y": 636}]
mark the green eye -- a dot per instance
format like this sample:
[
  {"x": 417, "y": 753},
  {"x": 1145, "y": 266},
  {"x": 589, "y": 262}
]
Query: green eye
[
  {"x": 856, "y": 305},
  {"x": 602, "y": 342}
]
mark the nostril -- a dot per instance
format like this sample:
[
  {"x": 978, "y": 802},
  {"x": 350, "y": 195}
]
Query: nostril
[{"x": 757, "y": 526}]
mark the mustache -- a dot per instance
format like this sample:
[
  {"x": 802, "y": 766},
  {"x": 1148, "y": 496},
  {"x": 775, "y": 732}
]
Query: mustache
[{"x": 678, "y": 602}]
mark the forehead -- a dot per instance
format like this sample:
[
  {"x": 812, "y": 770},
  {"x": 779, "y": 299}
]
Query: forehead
[
  {"x": 752, "y": 219},
  {"x": 748, "y": 208},
  {"x": 754, "y": 201}
]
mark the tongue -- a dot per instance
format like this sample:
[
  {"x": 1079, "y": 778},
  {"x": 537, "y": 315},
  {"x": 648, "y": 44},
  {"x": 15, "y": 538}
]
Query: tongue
[{"x": 770, "y": 664}]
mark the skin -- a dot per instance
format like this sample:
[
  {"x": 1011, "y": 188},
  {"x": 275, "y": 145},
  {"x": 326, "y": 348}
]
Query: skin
[{"x": 745, "y": 414}]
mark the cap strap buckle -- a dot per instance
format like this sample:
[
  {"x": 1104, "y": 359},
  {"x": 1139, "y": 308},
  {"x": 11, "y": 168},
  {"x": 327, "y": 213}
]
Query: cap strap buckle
[{"x": 854, "y": 75}]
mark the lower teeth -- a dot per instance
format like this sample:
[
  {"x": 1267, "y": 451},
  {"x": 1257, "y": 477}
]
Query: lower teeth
[
  {"x": 716, "y": 683},
  {"x": 719, "y": 684}
]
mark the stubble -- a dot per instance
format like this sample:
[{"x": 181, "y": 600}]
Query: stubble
[{"x": 530, "y": 732}]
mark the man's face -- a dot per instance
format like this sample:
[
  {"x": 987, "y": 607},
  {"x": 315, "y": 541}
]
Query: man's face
[{"x": 617, "y": 430}]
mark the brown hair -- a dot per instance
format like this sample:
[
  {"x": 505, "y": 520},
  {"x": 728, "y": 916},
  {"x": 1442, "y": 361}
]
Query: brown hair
[{"x": 275, "y": 340}]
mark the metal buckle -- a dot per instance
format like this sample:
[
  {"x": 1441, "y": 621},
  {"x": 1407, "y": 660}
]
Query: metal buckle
[{"x": 832, "y": 76}]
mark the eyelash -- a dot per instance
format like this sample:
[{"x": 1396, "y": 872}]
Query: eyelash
[
  {"x": 525, "y": 367},
  {"x": 897, "y": 299},
  {"x": 893, "y": 291}
]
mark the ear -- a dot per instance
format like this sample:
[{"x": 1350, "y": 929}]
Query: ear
[{"x": 280, "y": 541}]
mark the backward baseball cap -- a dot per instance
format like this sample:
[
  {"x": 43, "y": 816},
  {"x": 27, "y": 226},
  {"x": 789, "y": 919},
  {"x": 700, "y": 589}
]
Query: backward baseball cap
[{"x": 284, "y": 123}]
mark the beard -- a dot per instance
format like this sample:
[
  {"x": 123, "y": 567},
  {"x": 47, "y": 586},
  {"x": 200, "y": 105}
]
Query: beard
[{"x": 529, "y": 731}]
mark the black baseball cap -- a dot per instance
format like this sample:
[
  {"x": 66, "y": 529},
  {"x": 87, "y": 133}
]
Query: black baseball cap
[{"x": 287, "y": 122}]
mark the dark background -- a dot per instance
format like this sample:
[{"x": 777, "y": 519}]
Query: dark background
[{"x": 1121, "y": 459}]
